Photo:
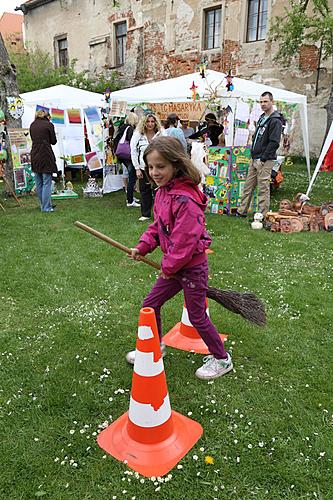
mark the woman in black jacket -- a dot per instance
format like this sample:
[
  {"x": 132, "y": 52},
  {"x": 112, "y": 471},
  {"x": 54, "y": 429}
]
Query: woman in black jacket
[
  {"x": 129, "y": 125},
  {"x": 43, "y": 162}
]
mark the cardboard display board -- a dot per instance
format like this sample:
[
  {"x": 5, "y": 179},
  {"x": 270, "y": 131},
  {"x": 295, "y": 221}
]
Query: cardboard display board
[
  {"x": 225, "y": 184},
  {"x": 20, "y": 147}
]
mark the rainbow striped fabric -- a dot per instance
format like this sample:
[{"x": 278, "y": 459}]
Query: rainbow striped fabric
[{"x": 58, "y": 116}]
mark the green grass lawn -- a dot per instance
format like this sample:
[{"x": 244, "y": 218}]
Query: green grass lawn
[{"x": 69, "y": 309}]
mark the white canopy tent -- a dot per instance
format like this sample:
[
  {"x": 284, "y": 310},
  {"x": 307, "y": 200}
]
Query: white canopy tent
[
  {"x": 61, "y": 97},
  {"x": 327, "y": 144},
  {"x": 178, "y": 90}
]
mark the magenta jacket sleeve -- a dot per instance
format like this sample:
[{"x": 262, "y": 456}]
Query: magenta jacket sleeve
[
  {"x": 188, "y": 229},
  {"x": 149, "y": 240}
]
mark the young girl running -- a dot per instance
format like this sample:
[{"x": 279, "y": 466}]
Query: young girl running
[{"x": 179, "y": 229}]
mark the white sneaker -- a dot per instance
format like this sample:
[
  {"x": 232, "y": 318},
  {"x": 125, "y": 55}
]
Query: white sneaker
[
  {"x": 133, "y": 204},
  {"x": 130, "y": 356},
  {"x": 214, "y": 368},
  {"x": 142, "y": 218},
  {"x": 137, "y": 200}
]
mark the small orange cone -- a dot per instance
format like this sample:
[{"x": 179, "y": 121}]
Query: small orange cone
[
  {"x": 187, "y": 338},
  {"x": 151, "y": 438}
]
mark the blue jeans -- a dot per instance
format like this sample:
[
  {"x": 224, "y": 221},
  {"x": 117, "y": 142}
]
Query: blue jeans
[{"x": 43, "y": 188}]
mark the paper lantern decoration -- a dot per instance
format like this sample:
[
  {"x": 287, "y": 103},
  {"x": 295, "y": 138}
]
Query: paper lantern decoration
[{"x": 195, "y": 95}]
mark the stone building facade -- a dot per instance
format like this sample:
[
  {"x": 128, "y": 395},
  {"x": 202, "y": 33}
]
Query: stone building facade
[{"x": 147, "y": 40}]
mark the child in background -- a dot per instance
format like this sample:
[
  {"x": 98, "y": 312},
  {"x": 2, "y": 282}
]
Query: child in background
[{"x": 179, "y": 229}]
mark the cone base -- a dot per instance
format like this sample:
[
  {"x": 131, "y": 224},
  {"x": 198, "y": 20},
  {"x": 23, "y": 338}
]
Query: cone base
[
  {"x": 150, "y": 459},
  {"x": 174, "y": 338}
]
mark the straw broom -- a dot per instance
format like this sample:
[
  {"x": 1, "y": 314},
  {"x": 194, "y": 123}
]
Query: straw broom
[{"x": 246, "y": 304}]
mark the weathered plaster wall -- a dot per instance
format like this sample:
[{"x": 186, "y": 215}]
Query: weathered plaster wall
[{"x": 165, "y": 39}]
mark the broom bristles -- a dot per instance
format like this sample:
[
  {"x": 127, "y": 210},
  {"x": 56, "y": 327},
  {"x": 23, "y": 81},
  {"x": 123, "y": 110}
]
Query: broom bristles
[{"x": 246, "y": 304}]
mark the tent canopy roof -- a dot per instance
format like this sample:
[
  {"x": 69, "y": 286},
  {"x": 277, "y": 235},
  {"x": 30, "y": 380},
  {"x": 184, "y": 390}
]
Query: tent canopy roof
[
  {"x": 63, "y": 96},
  {"x": 178, "y": 89}
]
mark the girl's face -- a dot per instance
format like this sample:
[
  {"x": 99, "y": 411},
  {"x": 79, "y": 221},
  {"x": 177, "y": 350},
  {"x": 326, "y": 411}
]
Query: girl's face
[
  {"x": 160, "y": 169},
  {"x": 150, "y": 123}
]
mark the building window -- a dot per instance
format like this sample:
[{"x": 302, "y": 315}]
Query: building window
[
  {"x": 62, "y": 52},
  {"x": 256, "y": 20},
  {"x": 212, "y": 38},
  {"x": 120, "y": 35}
]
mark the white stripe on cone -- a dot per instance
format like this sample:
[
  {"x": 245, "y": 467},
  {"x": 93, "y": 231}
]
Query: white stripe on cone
[
  {"x": 145, "y": 366},
  {"x": 186, "y": 320},
  {"x": 145, "y": 333},
  {"x": 144, "y": 415}
]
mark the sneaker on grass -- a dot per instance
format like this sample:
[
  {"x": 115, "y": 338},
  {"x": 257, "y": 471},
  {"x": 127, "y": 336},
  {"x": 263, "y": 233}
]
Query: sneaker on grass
[
  {"x": 143, "y": 218},
  {"x": 133, "y": 204},
  {"x": 130, "y": 356},
  {"x": 214, "y": 368}
]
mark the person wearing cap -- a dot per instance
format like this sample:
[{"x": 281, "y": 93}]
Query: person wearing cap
[{"x": 212, "y": 129}]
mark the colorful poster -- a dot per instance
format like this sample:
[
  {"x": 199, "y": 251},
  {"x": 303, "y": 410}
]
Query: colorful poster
[
  {"x": 20, "y": 180},
  {"x": 228, "y": 171},
  {"x": 92, "y": 115},
  {"x": 74, "y": 116},
  {"x": 42, "y": 108},
  {"x": 57, "y": 116},
  {"x": 118, "y": 108},
  {"x": 93, "y": 162},
  {"x": 75, "y": 159},
  {"x": 20, "y": 143}
]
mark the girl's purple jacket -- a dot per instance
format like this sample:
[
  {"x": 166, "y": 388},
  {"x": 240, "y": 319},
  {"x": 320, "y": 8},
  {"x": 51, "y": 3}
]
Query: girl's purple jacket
[{"x": 179, "y": 226}]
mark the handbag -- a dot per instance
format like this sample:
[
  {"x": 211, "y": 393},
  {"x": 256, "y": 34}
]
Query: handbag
[{"x": 123, "y": 150}]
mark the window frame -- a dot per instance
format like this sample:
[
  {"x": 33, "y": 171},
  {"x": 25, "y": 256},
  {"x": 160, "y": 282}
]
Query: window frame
[
  {"x": 122, "y": 38},
  {"x": 259, "y": 15},
  {"x": 58, "y": 51},
  {"x": 206, "y": 12}
]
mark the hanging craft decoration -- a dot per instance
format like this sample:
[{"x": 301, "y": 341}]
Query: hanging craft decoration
[
  {"x": 42, "y": 108},
  {"x": 92, "y": 115},
  {"x": 57, "y": 116},
  {"x": 15, "y": 106},
  {"x": 195, "y": 95},
  {"x": 202, "y": 66},
  {"x": 230, "y": 86},
  {"x": 93, "y": 162},
  {"x": 74, "y": 116}
]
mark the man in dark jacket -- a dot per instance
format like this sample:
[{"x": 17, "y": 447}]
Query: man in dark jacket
[
  {"x": 266, "y": 140},
  {"x": 43, "y": 162}
]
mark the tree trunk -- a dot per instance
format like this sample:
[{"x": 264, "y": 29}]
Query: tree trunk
[{"x": 8, "y": 87}]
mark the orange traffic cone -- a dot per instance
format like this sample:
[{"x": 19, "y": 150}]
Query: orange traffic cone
[
  {"x": 150, "y": 437},
  {"x": 185, "y": 337}
]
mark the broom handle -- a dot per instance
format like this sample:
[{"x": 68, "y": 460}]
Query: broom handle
[{"x": 114, "y": 243}]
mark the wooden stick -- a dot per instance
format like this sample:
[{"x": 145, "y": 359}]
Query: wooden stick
[{"x": 114, "y": 243}]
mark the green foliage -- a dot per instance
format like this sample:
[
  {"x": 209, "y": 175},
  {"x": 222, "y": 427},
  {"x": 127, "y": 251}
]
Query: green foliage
[
  {"x": 304, "y": 22},
  {"x": 35, "y": 70}
]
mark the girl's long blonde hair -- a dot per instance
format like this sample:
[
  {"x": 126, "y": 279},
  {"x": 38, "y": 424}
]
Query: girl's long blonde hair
[
  {"x": 173, "y": 151},
  {"x": 141, "y": 127}
]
